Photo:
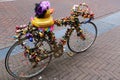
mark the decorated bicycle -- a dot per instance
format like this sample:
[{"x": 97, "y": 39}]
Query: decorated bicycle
[{"x": 36, "y": 43}]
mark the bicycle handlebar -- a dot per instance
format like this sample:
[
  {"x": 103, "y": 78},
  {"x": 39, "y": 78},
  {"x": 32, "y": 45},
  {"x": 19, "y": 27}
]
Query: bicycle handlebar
[
  {"x": 77, "y": 10},
  {"x": 82, "y": 10}
]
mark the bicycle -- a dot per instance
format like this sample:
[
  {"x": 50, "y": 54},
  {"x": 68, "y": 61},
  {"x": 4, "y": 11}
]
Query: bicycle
[{"x": 38, "y": 47}]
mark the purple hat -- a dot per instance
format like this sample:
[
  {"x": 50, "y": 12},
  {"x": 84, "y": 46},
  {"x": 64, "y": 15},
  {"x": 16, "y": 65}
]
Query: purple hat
[{"x": 42, "y": 6}]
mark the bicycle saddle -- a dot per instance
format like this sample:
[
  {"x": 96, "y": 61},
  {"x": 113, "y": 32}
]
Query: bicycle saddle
[{"x": 47, "y": 21}]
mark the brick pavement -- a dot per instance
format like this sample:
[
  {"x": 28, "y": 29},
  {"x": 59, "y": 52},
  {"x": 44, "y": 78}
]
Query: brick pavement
[
  {"x": 100, "y": 62},
  {"x": 18, "y": 12}
]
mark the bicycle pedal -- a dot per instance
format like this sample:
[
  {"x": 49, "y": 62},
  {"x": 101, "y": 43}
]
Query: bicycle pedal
[
  {"x": 70, "y": 54},
  {"x": 82, "y": 37},
  {"x": 34, "y": 64}
]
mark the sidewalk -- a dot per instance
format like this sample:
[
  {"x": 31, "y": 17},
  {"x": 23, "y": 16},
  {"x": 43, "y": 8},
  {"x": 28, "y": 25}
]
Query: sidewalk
[{"x": 100, "y": 62}]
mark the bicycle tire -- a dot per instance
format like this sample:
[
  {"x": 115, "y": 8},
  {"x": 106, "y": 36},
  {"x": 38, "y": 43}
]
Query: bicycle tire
[
  {"x": 15, "y": 56},
  {"x": 72, "y": 48}
]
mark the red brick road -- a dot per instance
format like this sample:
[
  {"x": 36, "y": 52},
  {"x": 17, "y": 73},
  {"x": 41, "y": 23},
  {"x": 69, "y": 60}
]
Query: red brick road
[{"x": 100, "y": 62}]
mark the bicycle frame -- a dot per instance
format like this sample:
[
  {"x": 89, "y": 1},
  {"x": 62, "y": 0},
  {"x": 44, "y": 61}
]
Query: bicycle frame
[
  {"x": 37, "y": 36},
  {"x": 72, "y": 21}
]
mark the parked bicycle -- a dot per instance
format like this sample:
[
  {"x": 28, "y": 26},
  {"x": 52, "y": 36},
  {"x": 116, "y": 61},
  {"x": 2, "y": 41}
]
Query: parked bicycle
[{"x": 36, "y": 43}]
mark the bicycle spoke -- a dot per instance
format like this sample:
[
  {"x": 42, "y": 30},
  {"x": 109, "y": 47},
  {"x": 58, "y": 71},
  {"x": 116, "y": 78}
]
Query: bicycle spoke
[
  {"x": 19, "y": 65},
  {"x": 76, "y": 44}
]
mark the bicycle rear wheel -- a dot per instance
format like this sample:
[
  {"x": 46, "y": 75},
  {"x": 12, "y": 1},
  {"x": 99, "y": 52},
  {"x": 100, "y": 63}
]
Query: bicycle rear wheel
[
  {"x": 76, "y": 44},
  {"x": 20, "y": 66}
]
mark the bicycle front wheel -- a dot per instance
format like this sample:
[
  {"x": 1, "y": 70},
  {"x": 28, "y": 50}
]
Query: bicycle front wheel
[
  {"x": 19, "y": 66},
  {"x": 78, "y": 45}
]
